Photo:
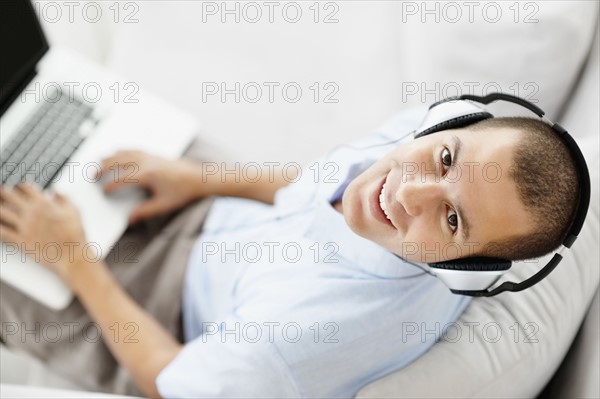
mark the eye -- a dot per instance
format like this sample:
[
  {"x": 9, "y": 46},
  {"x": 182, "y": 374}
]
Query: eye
[
  {"x": 446, "y": 158},
  {"x": 452, "y": 220}
]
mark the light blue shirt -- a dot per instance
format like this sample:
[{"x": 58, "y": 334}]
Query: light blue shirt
[{"x": 286, "y": 301}]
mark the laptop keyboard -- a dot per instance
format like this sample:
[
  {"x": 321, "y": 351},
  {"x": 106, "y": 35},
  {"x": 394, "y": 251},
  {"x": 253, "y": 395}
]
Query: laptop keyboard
[{"x": 45, "y": 143}]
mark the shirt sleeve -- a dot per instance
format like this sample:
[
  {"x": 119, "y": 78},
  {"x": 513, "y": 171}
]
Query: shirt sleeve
[{"x": 228, "y": 363}]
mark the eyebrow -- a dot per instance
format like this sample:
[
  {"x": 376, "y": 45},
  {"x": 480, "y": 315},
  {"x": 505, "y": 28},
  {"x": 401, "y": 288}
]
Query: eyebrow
[{"x": 465, "y": 226}]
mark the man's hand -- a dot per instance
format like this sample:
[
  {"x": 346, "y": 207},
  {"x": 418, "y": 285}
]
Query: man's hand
[
  {"x": 171, "y": 184},
  {"x": 47, "y": 226},
  {"x": 32, "y": 219}
]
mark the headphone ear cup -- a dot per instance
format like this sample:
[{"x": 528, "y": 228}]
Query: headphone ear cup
[
  {"x": 475, "y": 264},
  {"x": 451, "y": 114}
]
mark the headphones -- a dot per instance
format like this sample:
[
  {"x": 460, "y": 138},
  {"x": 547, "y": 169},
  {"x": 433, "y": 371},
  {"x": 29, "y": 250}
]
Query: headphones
[{"x": 473, "y": 276}]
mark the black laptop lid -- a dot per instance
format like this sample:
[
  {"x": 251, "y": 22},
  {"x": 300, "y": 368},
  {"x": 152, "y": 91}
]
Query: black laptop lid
[{"x": 23, "y": 45}]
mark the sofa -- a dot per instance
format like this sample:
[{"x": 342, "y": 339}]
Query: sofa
[{"x": 358, "y": 64}]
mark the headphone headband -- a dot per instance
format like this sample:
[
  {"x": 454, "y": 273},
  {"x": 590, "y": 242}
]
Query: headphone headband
[{"x": 491, "y": 97}]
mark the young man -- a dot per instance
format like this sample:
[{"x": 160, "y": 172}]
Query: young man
[{"x": 308, "y": 289}]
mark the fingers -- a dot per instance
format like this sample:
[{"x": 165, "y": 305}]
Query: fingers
[
  {"x": 28, "y": 190},
  {"x": 12, "y": 197},
  {"x": 9, "y": 196},
  {"x": 8, "y": 217},
  {"x": 8, "y": 234},
  {"x": 15, "y": 201},
  {"x": 61, "y": 198},
  {"x": 119, "y": 160},
  {"x": 114, "y": 185},
  {"x": 146, "y": 210},
  {"x": 126, "y": 177}
]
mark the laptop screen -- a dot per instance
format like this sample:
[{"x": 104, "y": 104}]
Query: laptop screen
[{"x": 23, "y": 45}]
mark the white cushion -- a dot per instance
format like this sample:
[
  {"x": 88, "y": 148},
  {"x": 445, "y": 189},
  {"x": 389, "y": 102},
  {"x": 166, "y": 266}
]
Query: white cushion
[
  {"x": 477, "y": 367},
  {"x": 172, "y": 52},
  {"x": 536, "y": 60},
  {"x": 372, "y": 56}
]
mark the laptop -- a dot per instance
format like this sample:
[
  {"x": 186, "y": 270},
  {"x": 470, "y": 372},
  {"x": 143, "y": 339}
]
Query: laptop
[{"x": 60, "y": 115}]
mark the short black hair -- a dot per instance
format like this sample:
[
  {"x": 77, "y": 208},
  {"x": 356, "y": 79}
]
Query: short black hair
[{"x": 547, "y": 182}]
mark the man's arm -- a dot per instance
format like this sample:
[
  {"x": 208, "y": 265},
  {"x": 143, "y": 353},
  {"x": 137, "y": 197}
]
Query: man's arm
[
  {"x": 32, "y": 220},
  {"x": 174, "y": 183},
  {"x": 260, "y": 188},
  {"x": 153, "y": 347}
]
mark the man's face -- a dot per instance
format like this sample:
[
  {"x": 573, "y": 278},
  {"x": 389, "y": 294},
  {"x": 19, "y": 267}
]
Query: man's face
[{"x": 447, "y": 195}]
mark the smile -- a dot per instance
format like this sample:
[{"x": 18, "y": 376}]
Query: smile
[
  {"x": 382, "y": 202},
  {"x": 377, "y": 204}
]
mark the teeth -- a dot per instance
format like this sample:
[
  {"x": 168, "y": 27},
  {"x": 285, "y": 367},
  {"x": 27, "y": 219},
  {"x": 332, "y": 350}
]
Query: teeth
[{"x": 382, "y": 202}]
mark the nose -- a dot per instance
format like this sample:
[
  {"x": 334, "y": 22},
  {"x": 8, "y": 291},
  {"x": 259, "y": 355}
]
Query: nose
[{"x": 416, "y": 195}]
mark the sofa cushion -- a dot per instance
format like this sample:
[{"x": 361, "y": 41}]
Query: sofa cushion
[{"x": 533, "y": 50}]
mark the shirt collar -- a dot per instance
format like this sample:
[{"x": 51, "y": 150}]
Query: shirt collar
[
  {"x": 354, "y": 170},
  {"x": 328, "y": 225}
]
